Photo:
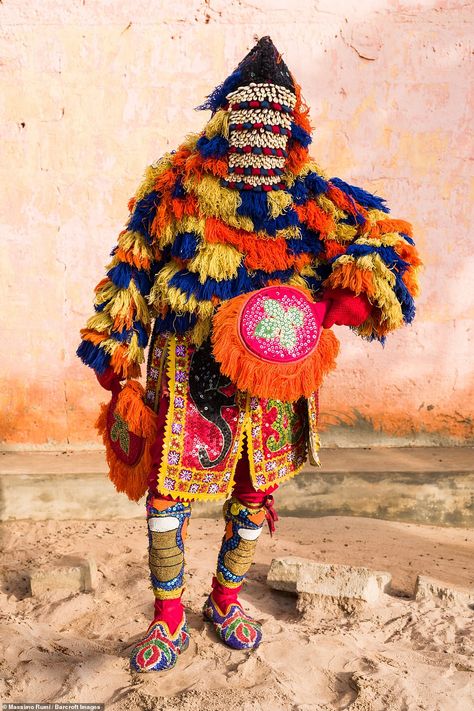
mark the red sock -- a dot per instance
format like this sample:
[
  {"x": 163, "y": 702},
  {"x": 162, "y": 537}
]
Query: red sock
[
  {"x": 169, "y": 611},
  {"x": 222, "y": 596}
]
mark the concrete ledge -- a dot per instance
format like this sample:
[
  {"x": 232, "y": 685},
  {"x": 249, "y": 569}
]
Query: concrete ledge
[{"x": 423, "y": 485}]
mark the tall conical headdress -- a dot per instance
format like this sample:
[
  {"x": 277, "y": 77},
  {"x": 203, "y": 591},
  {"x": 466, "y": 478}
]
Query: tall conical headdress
[{"x": 259, "y": 98}]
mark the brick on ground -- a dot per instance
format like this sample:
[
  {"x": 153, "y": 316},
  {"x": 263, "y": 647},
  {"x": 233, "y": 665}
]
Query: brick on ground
[
  {"x": 427, "y": 588},
  {"x": 70, "y": 575},
  {"x": 302, "y": 575}
]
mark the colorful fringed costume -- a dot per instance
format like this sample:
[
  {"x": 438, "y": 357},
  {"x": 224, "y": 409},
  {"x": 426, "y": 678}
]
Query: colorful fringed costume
[{"x": 236, "y": 209}]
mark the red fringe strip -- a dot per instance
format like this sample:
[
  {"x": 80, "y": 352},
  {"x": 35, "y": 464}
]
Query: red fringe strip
[
  {"x": 142, "y": 421},
  {"x": 282, "y": 381}
]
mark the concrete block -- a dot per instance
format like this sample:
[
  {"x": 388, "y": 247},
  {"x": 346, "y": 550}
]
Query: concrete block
[
  {"x": 70, "y": 575},
  {"x": 431, "y": 589},
  {"x": 305, "y": 576}
]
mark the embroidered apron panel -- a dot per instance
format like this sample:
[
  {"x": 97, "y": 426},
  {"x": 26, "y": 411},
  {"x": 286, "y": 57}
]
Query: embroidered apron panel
[
  {"x": 207, "y": 420},
  {"x": 277, "y": 433}
]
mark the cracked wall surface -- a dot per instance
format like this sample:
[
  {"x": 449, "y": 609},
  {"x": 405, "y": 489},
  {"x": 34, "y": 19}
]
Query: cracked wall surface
[{"x": 93, "y": 92}]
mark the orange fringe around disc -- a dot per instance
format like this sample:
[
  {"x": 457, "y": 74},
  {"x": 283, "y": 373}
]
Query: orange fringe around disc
[
  {"x": 127, "y": 421},
  {"x": 261, "y": 378}
]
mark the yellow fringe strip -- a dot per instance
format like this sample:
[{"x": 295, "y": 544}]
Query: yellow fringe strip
[
  {"x": 218, "y": 201},
  {"x": 100, "y": 322},
  {"x": 382, "y": 294},
  {"x": 107, "y": 292},
  {"x": 298, "y": 280},
  {"x": 151, "y": 174},
  {"x": 160, "y": 286},
  {"x": 278, "y": 202},
  {"x": 201, "y": 331},
  {"x": 344, "y": 233},
  {"x": 291, "y": 232},
  {"x": 136, "y": 243},
  {"x": 374, "y": 216},
  {"x": 181, "y": 303},
  {"x": 218, "y": 125},
  {"x": 218, "y": 261},
  {"x": 328, "y": 206}
]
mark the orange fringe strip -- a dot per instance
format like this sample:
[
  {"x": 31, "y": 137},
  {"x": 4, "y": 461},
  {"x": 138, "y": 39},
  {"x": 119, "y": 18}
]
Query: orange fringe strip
[
  {"x": 95, "y": 337},
  {"x": 410, "y": 280},
  {"x": 125, "y": 321},
  {"x": 122, "y": 365},
  {"x": 135, "y": 260},
  {"x": 163, "y": 216},
  {"x": 196, "y": 166},
  {"x": 344, "y": 202},
  {"x": 350, "y": 276},
  {"x": 142, "y": 421},
  {"x": 408, "y": 252},
  {"x": 297, "y": 157},
  {"x": 381, "y": 227},
  {"x": 282, "y": 381},
  {"x": 301, "y": 110},
  {"x": 266, "y": 253},
  {"x": 316, "y": 219},
  {"x": 332, "y": 249},
  {"x": 102, "y": 283},
  {"x": 187, "y": 206}
]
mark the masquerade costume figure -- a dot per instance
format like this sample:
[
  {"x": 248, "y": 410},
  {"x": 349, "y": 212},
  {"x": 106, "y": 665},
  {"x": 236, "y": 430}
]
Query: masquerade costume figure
[{"x": 237, "y": 211}]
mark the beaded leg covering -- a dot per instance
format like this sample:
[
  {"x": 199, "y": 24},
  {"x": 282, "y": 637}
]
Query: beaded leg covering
[
  {"x": 167, "y": 526},
  {"x": 243, "y": 527}
]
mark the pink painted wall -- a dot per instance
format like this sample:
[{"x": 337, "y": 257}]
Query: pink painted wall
[{"x": 94, "y": 91}]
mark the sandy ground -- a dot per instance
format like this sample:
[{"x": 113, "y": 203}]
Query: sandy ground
[{"x": 397, "y": 656}]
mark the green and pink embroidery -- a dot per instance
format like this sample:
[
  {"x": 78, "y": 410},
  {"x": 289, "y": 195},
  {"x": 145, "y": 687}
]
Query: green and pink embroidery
[{"x": 279, "y": 324}]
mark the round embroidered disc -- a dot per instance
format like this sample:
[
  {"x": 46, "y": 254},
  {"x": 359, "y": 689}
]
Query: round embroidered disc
[{"x": 279, "y": 324}]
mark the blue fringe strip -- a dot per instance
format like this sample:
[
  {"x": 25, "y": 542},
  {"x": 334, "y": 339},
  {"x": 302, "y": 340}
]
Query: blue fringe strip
[
  {"x": 174, "y": 323},
  {"x": 299, "y": 192},
  {"x": 388, "y": 254},
  {"x": 315, "y": 183},
  {"x": 215, "y": 147},
  {"x": 125, "y": 335},
  {"x": 310, "y": 242},
  {"x": 185, "y": 245},
  {"x": 225, "y": 289},
  {"x": 363, "y": 197},
  {"x": 408, "y": 239},
  {"x": 93, "y": 356},
  {"x": 178, "y": 189},
  {"x": 123, "y": 273},
  {"x": 255, "y": 205},
  {"x": 217, "y": 97},
  {"x": 405, "y": 298},
  {"x": 100, "y": 307},
  {"x": 300, "y": 135},
  {"x": 143, "y": 215}
]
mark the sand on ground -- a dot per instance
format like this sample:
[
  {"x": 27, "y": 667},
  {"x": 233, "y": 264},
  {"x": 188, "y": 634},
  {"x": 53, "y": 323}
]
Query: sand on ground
[{"x": 396, "y": 656}]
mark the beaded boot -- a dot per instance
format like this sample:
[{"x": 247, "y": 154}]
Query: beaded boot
[
  {"x": 222, "y": 608},
  {"x": 168, "y": 634}
]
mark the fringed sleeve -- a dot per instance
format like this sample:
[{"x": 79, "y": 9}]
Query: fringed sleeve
[
  {"x": 117, "y": 334},
  {"x": 368, "y": 252}
]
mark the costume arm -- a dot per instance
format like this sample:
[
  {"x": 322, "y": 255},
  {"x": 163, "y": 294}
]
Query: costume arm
[
  {"x": 370, "y": 253},
  {"x": 117, "y": 334}
]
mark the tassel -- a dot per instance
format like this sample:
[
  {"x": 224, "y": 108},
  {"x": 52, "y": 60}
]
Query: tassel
[{"x": 137, "y": 423}]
